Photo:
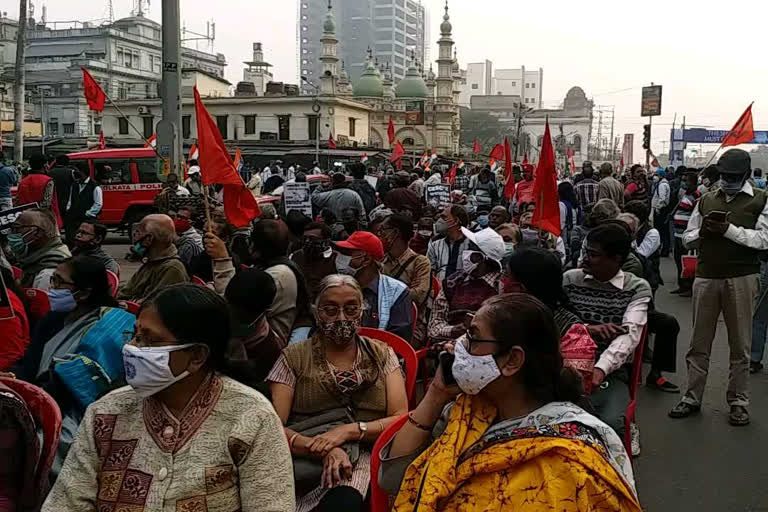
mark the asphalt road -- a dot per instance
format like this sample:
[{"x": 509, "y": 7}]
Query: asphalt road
[{"x": 697, "y": 464}]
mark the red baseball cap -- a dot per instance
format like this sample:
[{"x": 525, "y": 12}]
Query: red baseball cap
[{"x": 364, "y": 241}]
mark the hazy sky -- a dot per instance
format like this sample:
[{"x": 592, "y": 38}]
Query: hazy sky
[{"x": 709, "y": 59}]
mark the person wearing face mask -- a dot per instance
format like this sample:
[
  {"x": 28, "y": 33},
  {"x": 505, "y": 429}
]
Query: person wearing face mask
[
  {"x": 445, "y": 252},
  {"x": 484, "y": 190},
  {"x": 514, "y": 427},
  {"x": 253, "y": 345},
  {"x": 388, "y": 300},
  {"x": 85, "y": 202},
  {"x": 402, "y": 263},
  {"x": 154, "y": 243},
  {"x": 482, "y": 220},
  {"x": 710, "y": 178},
  {"x": 37, "y": 187},
  {"x": 462, "y": 293},
  {"x": 422, "y": 236},
  {"x": 315, "y": 259},
  {"x": 729, "y": 227},
  {"x": 524, "y": 189},
  {"x": 189, "y": 241},
  {"x": 335, "y": 393},
  {"x": 36, "y": 247},
  {"x": 512, "y": 237},
  {"x": 88, "y": 239},
  {"x": 179, "y": 420},
  {"x": 498, "y": 216}
]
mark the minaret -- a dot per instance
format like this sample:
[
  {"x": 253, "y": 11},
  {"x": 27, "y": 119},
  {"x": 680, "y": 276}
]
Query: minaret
[
  {"x": 328, "y": 58},
  {"x": 445, "y": 60}
]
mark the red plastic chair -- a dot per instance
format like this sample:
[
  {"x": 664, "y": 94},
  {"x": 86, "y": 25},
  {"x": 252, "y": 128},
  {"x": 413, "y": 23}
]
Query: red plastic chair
[
  {"x": 402, "y": 348},
  {"x": 114, "y": 282},
  {"x": 47, "y": 415},
  {"x": 435, "y": 286},
  {"x": 198, "y": 280},
  {"x": 38, "y": 303},
  {"x": 380, "y": 499},
  {"x": 415, "y": 313},
  {"x": 129, "y": 306},
  {"x": 17, "y": 272},
  {"x": 634, "y": 385}
]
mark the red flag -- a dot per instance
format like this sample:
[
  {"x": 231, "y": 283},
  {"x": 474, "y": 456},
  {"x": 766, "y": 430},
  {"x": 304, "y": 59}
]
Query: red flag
[
  {"x": 102, "y": 141},
  {"x": 546, "y": 216},
  {"x": 391, "y": 131},
  {"x": 509, "y": 186},
  {"x": 497, "y": 153},
  {"x": 94, "y": 95},
  {"x": 451, "y": 176},
  {"x": 742, "y": 132},
  {"x": 151, "y": 142},
  {"x": 397, "y": 153},
  {"x": 621, "y": 163},
  {"x": 216, "y": 167},
  {"x": 194, "y": 154},
  {"x": 331, "y": 142},
  {"x": 571, "y": 163},
  {"x": 476, "y": 148},
  {"x": 525, "y": 159}
]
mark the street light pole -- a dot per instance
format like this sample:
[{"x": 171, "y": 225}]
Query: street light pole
[
  {"x": 317, "y": 117},
  {"x": 168, "y": 129}
]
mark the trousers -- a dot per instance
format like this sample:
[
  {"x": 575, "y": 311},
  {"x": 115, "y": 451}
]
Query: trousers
[
  {"x": 611, "y": 399},
  {"x": 734, "y": 297},
  {"x": 666, "y": 328}
]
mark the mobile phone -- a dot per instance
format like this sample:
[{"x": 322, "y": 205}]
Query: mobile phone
[
  {"x": 718, "y": 215},
  {"x": 446, "y": 365}
]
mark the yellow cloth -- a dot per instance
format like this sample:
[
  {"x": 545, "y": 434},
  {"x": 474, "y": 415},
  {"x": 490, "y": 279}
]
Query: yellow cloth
[{"x": 529, "y": 474}]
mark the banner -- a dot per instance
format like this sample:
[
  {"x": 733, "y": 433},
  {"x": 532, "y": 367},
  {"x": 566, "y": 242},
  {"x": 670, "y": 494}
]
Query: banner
[
  {"x": 8, "y": 217},
  {"x": 439, "y": 194},
  {"x": 296, "y": 197},
  {"x": 414, "y": 113},
  {"x": 651, "y": 101},
  {"x": 703, "y": 136}
]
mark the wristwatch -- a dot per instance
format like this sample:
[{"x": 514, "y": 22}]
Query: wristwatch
[{"x": 363, "y": 426}]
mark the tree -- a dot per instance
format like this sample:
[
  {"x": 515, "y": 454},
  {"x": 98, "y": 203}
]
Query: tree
[
  {"x": 19, "y": 85},
  {"x": 484, "y": 127}
]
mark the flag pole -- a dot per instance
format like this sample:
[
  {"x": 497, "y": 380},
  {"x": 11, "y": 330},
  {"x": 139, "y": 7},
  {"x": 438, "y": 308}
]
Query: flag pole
[
  {"x": 207, "y": 209},
  {"x": 721, "y": 143}
]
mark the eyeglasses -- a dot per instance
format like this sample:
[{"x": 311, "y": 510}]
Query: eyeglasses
[
  {"x": 57, "y": 281},
  {"x": 84, "y": 233},
  {"x": 333, "y": 311},
  {"x": 141, "y": 341}
]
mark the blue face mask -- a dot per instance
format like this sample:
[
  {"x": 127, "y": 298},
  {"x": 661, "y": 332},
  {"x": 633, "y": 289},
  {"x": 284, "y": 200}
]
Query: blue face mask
[
  {"x": 139, "y": 249},
  {"x": 17, "y": 244},
  {"x": 482, "y": 221},
  {"x": 62, "y": 300}
]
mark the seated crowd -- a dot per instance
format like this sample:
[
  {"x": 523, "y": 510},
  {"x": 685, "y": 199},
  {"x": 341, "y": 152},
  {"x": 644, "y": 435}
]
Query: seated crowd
[{"x": 254, "y": 388}]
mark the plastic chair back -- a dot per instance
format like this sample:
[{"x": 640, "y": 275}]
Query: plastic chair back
[
  {"x": 114, "y": 282},
  {"x": 129, "y": 306},
  {"x": 380, "y": 499},
  {"x": 38, "y": 303},
  {"x": 415, "y": 313},
  {"x": 17, "y": 272},
  {"x": 634, "y": 385},
  {"x": 402, "y": 348},
  {"x": 435, "y": 286},
  {"x": 47, "y": 415}
]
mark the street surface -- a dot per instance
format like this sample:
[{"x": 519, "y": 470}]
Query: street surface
[{"x": 698, "y": 464}]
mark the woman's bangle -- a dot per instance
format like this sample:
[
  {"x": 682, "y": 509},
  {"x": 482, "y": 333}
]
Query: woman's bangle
[
  {"x": 381, "y": 426},
  {"x": 417, "y": 424},
  {"x": 291, "y": 440}
]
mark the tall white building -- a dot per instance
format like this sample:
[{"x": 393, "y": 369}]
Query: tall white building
[
  {"x": 479, "y": 82},
  {"x": 522, "y": 82}
]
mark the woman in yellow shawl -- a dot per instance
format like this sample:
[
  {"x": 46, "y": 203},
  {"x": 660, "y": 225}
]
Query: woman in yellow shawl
[{"x": 513, "y": 440}]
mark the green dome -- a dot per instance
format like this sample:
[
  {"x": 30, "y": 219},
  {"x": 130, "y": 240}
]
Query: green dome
[
  {"x": 369, "y": 83},
  {"x": 412, "y": 86},
  {"x": 329, "y": 26}
]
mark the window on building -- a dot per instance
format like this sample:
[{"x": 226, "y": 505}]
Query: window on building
[
  {"x": 527, "y": 86},
  {"x": 97, "y": 127},
  {"x": 69, "y": 128},
  {"x": 577, "y": 143},
  {"x": 186, "y": 132},
  {"x": 149, "y": 126},
  {"x": 352, "y": 121},
  {"x": 284, "y": 127},
  {"x": 533, "y": 86},
  {"x": 53, "y": 126},
  {"x": 540, "y": 140},
  {"x": 408, "y": 141},
  {"x": 312, "y": 122},
  {"x": 122, "y": 126},
  {"x": 475, "y": 87},
  {"x": 514, "y": 84},
  {"x": 250, "y": 125},
  {"x": 221, "y": 124}
]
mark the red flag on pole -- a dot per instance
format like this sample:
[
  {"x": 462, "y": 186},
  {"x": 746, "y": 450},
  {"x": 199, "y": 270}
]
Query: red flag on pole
[
  {"x": 497, "y": 153},
  {"x": 216, "y": 167},
  {"x": 476, "y": 148},
  {"x": 546, "y": 216},
  {"x": 571, "y": 163},
  {"x": 450, "y": 178},
  {"x": 397, "y": 152},
  {"x": 525, "y": 159},
  {"x": 94, "y": 95},
  {"x": 194, "y": 154},
  {"x": 331, "y": 142},
  {"x": 391, "y": 131},
  {"x": 742, "y": 132},
  {"x": 509, "y": 186},
  {"x": 102, "y": 141}
]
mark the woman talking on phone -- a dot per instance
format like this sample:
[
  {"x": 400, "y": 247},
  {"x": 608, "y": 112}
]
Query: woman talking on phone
[{"x": 512, "y": 439}]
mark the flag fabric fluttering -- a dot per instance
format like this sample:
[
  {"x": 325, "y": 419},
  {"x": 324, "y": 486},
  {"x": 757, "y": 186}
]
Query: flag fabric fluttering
[
  {"x": 525, "y": 159},
  {"x": 216, "y": 167},
  {"x": 151, "y": 142},
  {"x": 742, "y": 132},
  {"x": 364, "y": 159},
  {"x": 476, "y": 147},
  {"x": 571, "y": 163},
  {"x": 331, "y": 142},
  {"x": 509, "y": 185},
  {"x": 94, "y": 94},
  {"x": 397, "y": 152},
  {"x": 423, "y": 160},
  {"x": 497, "y": 153},
  {"x": 102, "y": 140},
  {"x": 238, "y": 161},
  {"x": 546, "y": 215},
  {"x": 450, "y": 178},
  {"x": 391, "y": 131},
  {"x": 194, "y": 153}
]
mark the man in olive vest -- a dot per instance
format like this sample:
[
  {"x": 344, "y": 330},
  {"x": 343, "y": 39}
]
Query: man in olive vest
[{"x": 729, "y": 227}]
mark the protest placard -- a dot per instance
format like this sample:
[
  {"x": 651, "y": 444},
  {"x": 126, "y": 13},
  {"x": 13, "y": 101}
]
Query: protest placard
[{"x": 296, "y": 197}]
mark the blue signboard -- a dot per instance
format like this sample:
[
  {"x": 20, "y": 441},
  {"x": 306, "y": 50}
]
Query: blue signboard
[{"x": 700, "y": 135}]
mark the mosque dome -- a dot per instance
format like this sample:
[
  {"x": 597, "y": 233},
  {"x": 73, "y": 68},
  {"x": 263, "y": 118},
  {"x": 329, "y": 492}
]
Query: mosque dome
[
  {"x": 412, "y": 86},
  {"x": 370, "y": 84},
  {"x": 445, "y": 26},
  {"x": 329, "y": 25}
]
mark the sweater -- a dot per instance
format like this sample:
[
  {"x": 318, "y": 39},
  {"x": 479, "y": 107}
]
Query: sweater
[
  {"x": 46, "y": 257},
  {"x": 154, "y": 274}
]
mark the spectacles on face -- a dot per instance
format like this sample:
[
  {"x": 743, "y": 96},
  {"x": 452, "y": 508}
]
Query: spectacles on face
[
  {"x": 83, "y": 233},
  {"x": 331, "y": 311},
  {"x": 136, "y": 339},
  {"x": 469, "y": 340},
  {"x": 25, "y": 228},
  {"x": 57, "y": 281}
]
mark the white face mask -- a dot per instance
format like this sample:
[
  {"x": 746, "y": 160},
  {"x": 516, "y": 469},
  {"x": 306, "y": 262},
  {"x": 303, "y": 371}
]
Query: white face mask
[
  {"x": 473, "y": 373},
  {"x": 466, "y": 261},
  {"x": 147, "y": 370},
  {"x": 344, "y": 265}
]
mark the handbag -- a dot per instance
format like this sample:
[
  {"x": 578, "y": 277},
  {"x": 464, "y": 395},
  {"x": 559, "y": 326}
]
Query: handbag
[
  {"x": 307, "y": 471},
  {"x": 690, "y": 262}
]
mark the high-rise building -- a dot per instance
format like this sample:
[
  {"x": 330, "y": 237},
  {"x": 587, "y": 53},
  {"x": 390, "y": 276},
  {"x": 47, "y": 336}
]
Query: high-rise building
[
  {"x": 395, "y": 30},
  {"x": 479, "y": 82}
]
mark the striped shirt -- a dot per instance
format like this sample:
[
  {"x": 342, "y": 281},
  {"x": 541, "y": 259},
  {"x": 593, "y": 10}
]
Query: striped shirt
[
  {"x": 588, "y": 191},
  {"x": 683, "y": 212}
]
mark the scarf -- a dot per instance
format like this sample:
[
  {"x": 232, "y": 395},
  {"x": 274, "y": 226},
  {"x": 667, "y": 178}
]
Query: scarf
[{"x": 550, "y": 460}]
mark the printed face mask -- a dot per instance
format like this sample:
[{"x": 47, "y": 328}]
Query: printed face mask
[
  {"x": 339, "y": 332},
  {"x": 466, "y": 261},
  {"x": 147, "y": 370},
  {"x": 473, "y": 373}
]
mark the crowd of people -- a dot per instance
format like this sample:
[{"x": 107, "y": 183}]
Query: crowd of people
[{"x": 241, "y": 380}]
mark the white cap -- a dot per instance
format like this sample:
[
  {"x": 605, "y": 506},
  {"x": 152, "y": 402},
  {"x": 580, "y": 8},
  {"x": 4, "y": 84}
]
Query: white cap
[
  {"x": 193, "y": 170},
  {"x": 490, "y": 243}
]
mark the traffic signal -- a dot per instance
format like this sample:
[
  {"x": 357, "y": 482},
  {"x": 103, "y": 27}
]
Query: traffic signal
[{"x": 647, "y": 136}]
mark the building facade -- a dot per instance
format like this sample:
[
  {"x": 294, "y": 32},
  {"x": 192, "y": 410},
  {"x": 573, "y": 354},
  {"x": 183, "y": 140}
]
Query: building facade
[
  {"x": 392, "y": 29},
  {"x": 525, "y": 83},
  {"x": 479, "y": 82},
  {"x": 258, "y": 72}
]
